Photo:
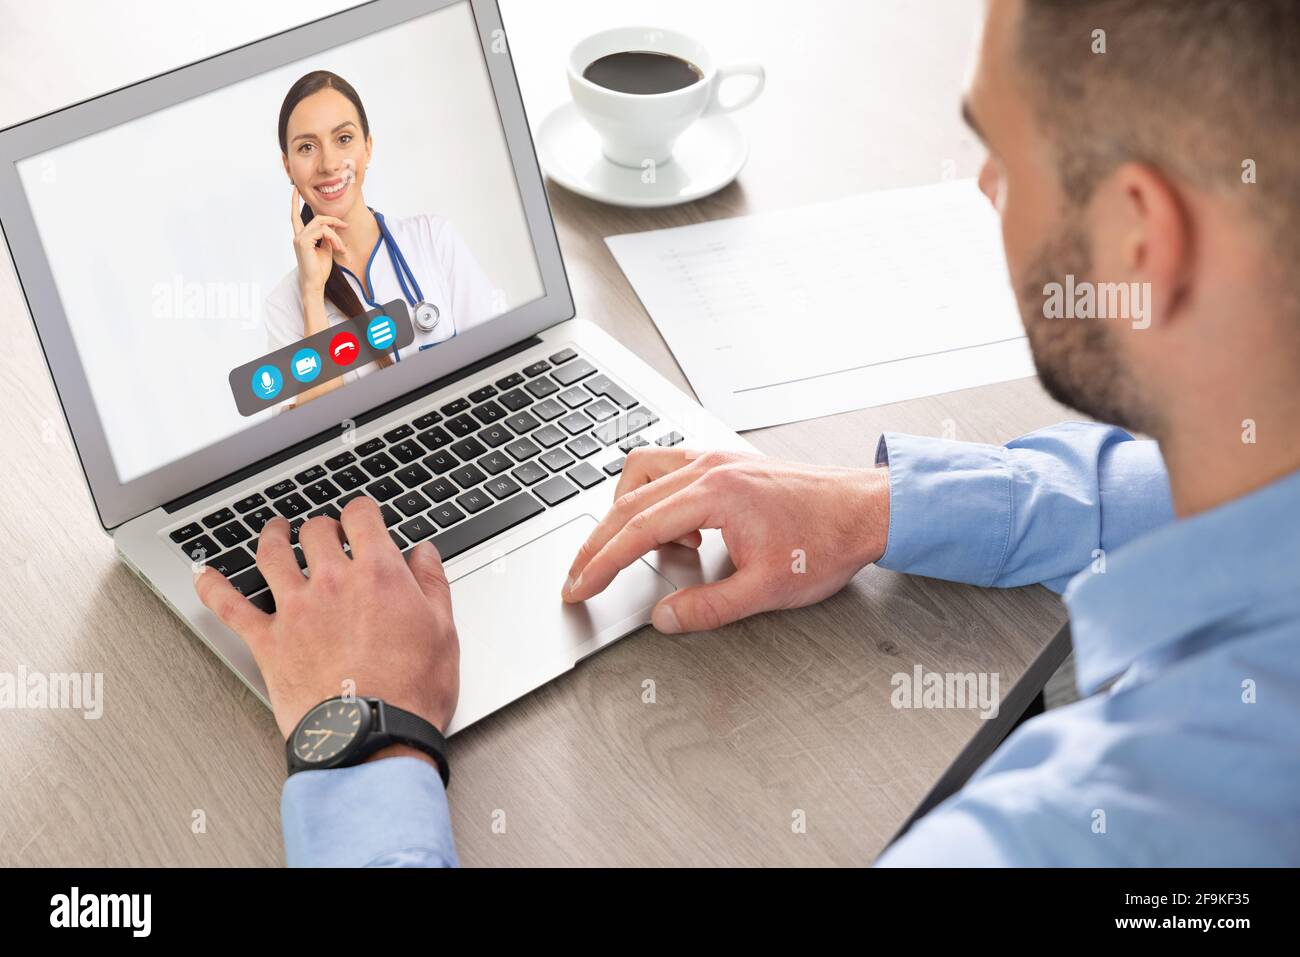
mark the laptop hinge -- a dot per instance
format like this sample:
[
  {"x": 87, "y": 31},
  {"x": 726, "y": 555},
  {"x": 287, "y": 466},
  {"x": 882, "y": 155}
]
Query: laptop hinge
[{"x": 360, "y": 419}]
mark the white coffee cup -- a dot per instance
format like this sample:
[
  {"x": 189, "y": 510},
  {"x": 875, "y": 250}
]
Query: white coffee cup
[{"x": 640, "y": 128}]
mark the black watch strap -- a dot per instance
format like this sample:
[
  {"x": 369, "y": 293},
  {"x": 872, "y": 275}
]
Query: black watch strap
[{"x": 413, "y": 731}]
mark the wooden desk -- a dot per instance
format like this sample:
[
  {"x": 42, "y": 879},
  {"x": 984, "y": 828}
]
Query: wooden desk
[{"x": 783, "y": 713}]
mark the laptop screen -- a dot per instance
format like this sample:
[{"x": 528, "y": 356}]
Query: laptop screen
[{"x": 238, "y": 255}]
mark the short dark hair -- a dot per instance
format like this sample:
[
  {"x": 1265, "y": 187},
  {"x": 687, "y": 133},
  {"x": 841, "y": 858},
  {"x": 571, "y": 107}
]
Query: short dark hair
[{"x": 1195, "y": 88}]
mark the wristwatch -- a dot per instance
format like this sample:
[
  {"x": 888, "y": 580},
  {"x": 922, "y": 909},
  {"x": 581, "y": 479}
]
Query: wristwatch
[{"x": 340, "y": 732}]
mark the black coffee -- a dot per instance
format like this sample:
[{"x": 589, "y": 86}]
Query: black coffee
[{"x": 638, "y": 71}]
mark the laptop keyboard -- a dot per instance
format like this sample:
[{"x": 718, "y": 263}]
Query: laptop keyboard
[{"x": 456, "y": 476}]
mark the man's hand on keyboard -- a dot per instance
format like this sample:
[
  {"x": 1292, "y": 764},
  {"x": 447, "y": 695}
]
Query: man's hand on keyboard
[
  {"x": 372, "y": 619},
  {"x": 796, "y": 533}
]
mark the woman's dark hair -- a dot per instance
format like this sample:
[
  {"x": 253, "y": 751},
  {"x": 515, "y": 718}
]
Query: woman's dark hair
[{"x": 337, "y": 288}]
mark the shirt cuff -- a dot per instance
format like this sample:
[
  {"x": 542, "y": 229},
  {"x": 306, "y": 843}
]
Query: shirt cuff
[
  {"x": 949, "y": 508},
  {"x": 386, "y": 813}
]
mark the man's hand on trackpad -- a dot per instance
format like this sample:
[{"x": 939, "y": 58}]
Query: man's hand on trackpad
[{"x": 796, "y": 533}]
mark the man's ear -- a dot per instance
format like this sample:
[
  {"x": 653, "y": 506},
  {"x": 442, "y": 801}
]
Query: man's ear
[{"x": 1146, "y": 239}]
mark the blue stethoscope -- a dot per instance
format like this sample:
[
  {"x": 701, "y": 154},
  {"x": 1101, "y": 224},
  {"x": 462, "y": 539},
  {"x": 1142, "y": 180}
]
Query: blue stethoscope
[{"x": 425, "y": 314}]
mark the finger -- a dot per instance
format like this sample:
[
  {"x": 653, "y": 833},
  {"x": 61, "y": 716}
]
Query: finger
[
  {"x": 332, "y": 237},
  {"x": 426, "y": 566},
  {"x": 693, "y": 540},
  {"x": 295, "y": 212},
  {"x": 275, "y": 558},
  {"x": 322, "y": 542},
  {"x": 627, "y": 504},
  {"x": 232, "y": 609},
  {"x": 646, "y": 464},
  {"x": 704, "y": 607},
  {"x": 661, "y": 523},
  {"x": 367, "y": 535}
]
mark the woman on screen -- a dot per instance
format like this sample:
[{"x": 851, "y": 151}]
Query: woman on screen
[{"x": 351, "y": 258}]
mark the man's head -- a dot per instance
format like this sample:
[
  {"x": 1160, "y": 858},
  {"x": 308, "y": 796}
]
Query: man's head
[{"x": 1145, "y": 158}]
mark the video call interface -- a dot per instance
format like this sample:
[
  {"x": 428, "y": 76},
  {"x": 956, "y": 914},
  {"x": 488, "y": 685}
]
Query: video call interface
[{"x": 240, "y": 255}]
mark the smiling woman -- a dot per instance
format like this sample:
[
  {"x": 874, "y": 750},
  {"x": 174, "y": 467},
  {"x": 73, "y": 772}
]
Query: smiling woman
[{"x": 326, "y": 148}]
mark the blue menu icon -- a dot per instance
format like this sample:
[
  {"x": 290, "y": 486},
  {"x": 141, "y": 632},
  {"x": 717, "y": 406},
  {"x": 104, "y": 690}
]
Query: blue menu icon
[{"x": 381, "y": 332}]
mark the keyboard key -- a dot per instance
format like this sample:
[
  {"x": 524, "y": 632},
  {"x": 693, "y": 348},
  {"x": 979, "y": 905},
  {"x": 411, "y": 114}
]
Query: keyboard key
[
  {"x": 249, "y": 582},
  {"x": 440, "y": 462},
  {"x": 410, "y": 503},
  {"x": 529, "y": 472},
  {"x": 413, "y": 475},
  {"x": 516, "y": 399},
  {"x": 522, "y": 422},
  {"x": 200, "y": 549},
  {"x": 399, "y": 433},
  {"x": 601, "y": 409},
  {"x": 300, "y": 558},
  {"x": 232, "y": 534},
  {"x": 383, "y": 490},
  {"x": 615, "y": 467},
  {"x": 510, "y": 381},
  {"x": 469, "y": 448},
  {"x": 586, "y": 475},
  {"x": 291, "y": 505},
  {"x": 350, "y": 478},
  {"x": 280, "y": 488},
  {"x": 564, "y": 355},
  {"x": 452, "y": 408},
  {"x": 329, "y": 511},
  {"x": 574, "y": 397},
  {"x": 250, "y": 503},
  {"x": 493, "y": 521},
  {"x": 548, "y": 409},
  {"x": 378, "y": 465},
  {"x": 391, "y": 515},
  {"x": 489, "y": 412},
  {"x": 536, "y": 369},
  {"x": 258, "y": 518},
  {"x": 495, "y": 462},
  {"x": 219, "y": 517},
  {"x": 398, "y": 540},
  {"x": 521, "y": 449},
  {"x": 426, "y": 420},
  {"x": 235, "y": 560},
  {"x": 495, "y": 435},
  {"x": 435, "y": 438},
  {"x": 541, "y": 388},
  {"x": 632, "y": 442},
  {"x": 462, "y": 426},
  {"x": 474, "y": 500},
  {"x": 417, "y": 529},
  {"x": 321, "y": 492},
  {"x": 446, "y": 514},
  {"x": 312, "y": 474},
  {"x": 625, "y": 425},
  {"x": 601, "y": 385},
  {"x": 575, "y": 422},
  {"x": 583, "y": 446},
  {"x": 557, "y": 460},
  {"x": 264, "y": 601},
  {"x": 555, "y": 490},
  {"x": 672, "y": 438},
  {"x": 571, "y": 373},
  {"x": 340, "y": 460},
  {"x": 295, "y": 526},
  {"x": 343, "y": 502},
  {"x": 467, "y": 476},
  {"x": 479, "y": 395},
  {"x": 370, "y": 448},
  {"x": 439, "y": 490},
  {"x": 503, "y": 486},
  {"x": 407, "y": 451},
  {"x": 186, "y": 532},
  {"x": 547, "y": 436}
]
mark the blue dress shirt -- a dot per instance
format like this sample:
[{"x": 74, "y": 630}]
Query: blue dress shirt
[{"x": 1191, "y": 754}]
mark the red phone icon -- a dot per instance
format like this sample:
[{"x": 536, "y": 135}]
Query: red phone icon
[{"x": 344, "y": 348}]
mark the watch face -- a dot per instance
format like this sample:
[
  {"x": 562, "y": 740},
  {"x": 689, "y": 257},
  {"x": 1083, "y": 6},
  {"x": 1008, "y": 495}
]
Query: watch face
[{"x": 329, "y": 728}]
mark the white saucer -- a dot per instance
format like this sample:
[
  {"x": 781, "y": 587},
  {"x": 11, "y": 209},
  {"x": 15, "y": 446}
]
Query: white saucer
[{"x": 706, "y": 158}]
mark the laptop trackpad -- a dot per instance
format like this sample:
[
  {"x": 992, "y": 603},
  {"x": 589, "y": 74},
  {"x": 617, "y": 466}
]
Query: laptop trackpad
[{"x": 515, "y": 631}]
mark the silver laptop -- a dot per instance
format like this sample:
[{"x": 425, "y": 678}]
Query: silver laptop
[{"x": 152, "y": 231}]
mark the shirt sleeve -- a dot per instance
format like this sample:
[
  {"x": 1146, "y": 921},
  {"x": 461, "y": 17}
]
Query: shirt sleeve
[
  {"x": 388, "y": 813},
  {"x": 1038, "y": 510}
]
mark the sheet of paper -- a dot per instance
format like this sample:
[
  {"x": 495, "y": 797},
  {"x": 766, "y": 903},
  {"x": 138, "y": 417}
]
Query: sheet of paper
[{"x": 823, "y": 309}]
